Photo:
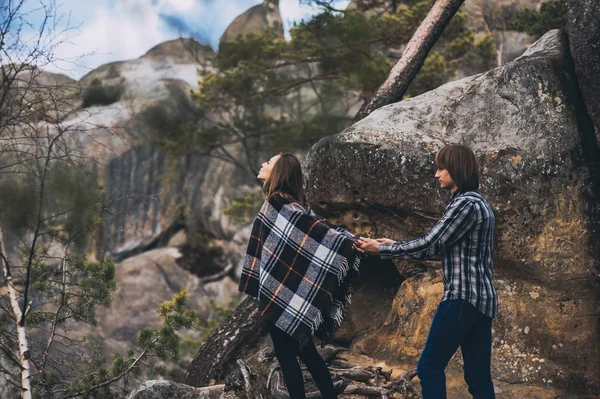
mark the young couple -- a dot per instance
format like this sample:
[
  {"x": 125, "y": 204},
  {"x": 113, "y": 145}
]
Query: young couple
[{"x": 301, "y": 269}]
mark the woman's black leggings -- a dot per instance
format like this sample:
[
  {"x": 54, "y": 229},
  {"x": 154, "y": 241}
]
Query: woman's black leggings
[{"x": 286, "y": 350}]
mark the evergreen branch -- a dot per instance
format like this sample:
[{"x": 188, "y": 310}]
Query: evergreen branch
[{"x": 117, "y": 377}]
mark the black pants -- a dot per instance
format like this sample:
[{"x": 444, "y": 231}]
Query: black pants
[{"x": 286, "y": 350}]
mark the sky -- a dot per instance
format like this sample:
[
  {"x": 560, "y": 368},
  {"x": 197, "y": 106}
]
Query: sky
[{"x": 112, "y": 30}]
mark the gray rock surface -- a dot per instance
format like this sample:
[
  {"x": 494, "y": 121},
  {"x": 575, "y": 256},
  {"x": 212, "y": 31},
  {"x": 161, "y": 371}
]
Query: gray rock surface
[
  {"x": 255, "y": 20},
  {"x": 583, "y": 30},
  {"x": 152, "y": 195},
  {"x": 528, "y": 127}
]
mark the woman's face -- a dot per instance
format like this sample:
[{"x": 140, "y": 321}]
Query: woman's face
[{"x": 265, "y": 169}]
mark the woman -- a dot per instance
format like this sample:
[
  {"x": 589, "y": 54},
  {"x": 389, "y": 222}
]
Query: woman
[
  {"x": 300, "y": 268},
  {"x": 464, "y": 239}
]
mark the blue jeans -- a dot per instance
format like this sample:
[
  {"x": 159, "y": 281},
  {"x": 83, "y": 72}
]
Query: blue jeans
[{"x": 457, "y": 323}]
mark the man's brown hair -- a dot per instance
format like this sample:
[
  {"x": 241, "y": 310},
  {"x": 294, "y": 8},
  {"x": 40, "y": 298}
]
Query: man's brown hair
[
  {"x": 286, "y": 179},
  {"x": 462, "y": 165}
]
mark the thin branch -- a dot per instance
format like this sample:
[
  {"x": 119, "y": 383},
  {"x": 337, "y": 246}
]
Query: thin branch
[
  {"x": 63, "y": 293},
  {"x": 117, "y": 377}
]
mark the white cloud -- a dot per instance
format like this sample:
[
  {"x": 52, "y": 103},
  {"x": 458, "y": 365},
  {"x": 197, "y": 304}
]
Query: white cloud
[
  {"x": 113, "y": 30},
  {"x": 126, "y": 31},
  {"x": 182, "y": 5}
]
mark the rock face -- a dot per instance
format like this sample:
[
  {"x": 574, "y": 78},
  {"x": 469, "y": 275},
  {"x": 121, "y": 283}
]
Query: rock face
[
  {"x": 583, "y": 29},
  {"x": 153, "y": 197},
  {"x": 155, "y": 194},
  {"x": 528, "y": 126},
  {"x": 255, "y": 20},
  {"x": 152, "y": 194},
  {"x": 143, "y": 283}
]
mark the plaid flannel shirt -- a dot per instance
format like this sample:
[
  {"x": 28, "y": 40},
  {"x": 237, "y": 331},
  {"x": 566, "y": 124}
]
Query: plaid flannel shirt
[
  {"x": 464, "y": 238},
  {"x": 300, "y": 268}
]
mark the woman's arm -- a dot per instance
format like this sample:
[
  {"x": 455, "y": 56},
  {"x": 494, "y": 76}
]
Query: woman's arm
[{"x": 459, "y": 218}]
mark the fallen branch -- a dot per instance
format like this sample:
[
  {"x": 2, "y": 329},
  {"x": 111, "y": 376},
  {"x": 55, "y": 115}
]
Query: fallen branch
[
  {"x": 357, "y": 373},
  {"x": 404, "y": 385},
  {"x": 246, "y": 375},
  {"x": 366, "y": 390},
  {"x": 217, "y": 276}
]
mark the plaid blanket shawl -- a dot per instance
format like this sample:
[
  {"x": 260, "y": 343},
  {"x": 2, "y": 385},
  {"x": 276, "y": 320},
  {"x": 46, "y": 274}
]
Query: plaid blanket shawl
[{"x": 300, "y": 268}]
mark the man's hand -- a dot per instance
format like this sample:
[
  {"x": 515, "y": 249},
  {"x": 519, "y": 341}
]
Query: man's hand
[
  {"x": 385, "y": 241},
  {"x": 368, "y": 246}
]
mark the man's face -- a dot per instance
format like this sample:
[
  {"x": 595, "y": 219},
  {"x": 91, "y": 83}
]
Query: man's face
[{"x": 445, "y": 180}]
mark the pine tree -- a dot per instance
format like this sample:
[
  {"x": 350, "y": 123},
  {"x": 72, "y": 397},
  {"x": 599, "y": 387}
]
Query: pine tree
[
  {"x": 270, "y": 95},
  {"x": 552, "y": 14}
]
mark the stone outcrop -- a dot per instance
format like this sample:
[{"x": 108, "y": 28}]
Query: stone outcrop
[
  {"x": 583, "y": 30},
  {"x": 153, "y": 195},
  {"x": 182, "y": 50},
  {"x": 529, "y": 127},
  {"x": 255, "y": 20}
]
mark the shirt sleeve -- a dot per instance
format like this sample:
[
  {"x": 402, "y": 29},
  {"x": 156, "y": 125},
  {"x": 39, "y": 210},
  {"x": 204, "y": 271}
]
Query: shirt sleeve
[{"x": 458, "y": 219}]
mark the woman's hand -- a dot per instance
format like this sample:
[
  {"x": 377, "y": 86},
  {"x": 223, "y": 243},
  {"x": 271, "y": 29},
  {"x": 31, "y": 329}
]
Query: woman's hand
[
  {"x": 368, "y": 246},
  {"x": 384, "y": 241}
]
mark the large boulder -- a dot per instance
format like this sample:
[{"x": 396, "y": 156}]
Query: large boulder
[
  {"x": 528, "y": 126},
  {"x": 255, "y": 20},
  {"x": 583, "y": 30}
]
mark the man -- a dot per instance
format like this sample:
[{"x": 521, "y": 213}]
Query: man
[{"x": 464, "y": 239}]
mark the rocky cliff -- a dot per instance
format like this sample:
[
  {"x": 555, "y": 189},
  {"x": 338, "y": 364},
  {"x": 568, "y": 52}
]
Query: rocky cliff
[
  {"x": 255, "y": 20},
  {"x": 160, "y": 207}
]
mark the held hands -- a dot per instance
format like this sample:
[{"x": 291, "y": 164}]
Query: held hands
[{"x": 369, "y": 245}]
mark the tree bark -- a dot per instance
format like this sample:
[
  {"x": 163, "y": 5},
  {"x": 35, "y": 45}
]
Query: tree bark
[
  {"x": 215, "y": 359},
  {"x": 20, "y": 317},
  {"x": 413, "y": 57}
]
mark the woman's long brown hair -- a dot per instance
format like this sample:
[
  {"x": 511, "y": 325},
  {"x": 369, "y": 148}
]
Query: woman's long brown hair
[{"x": 286, "y": 179}]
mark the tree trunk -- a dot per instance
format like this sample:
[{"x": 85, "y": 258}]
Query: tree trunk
[
  {"x": 218, "y": 356},
  {"x": 21, "y": 331},
  {"x": 413, "y": 57}
]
